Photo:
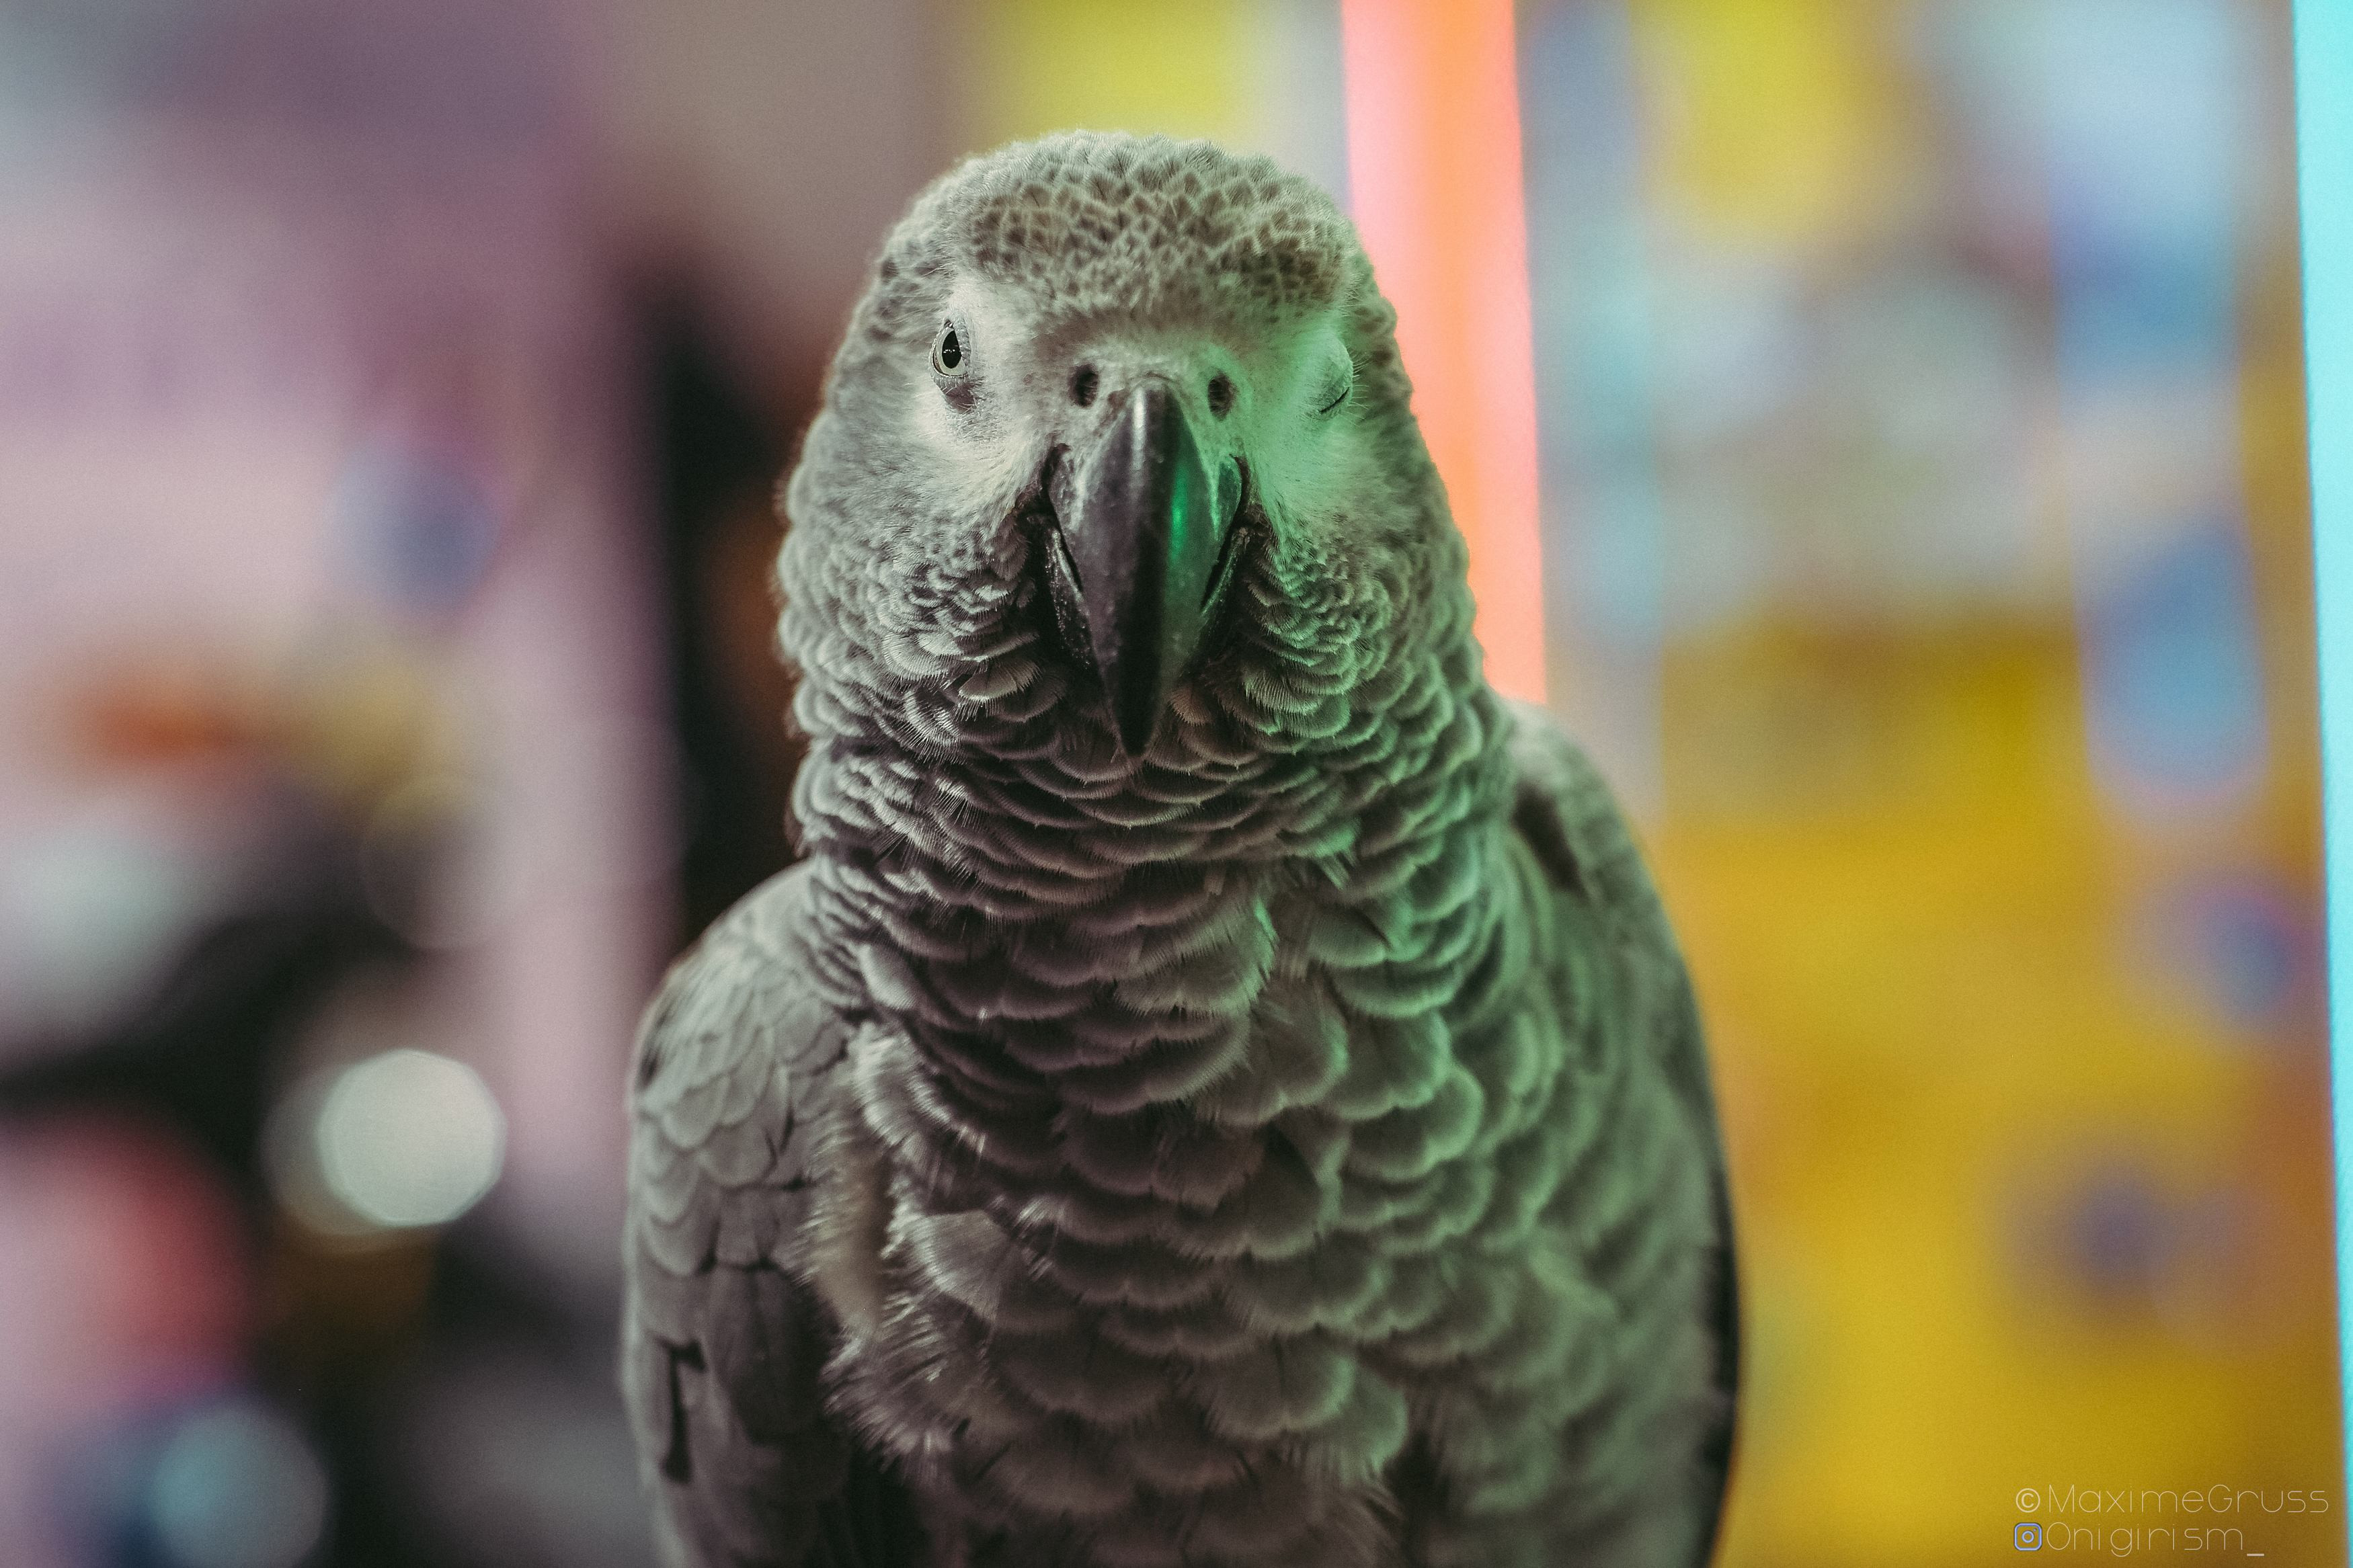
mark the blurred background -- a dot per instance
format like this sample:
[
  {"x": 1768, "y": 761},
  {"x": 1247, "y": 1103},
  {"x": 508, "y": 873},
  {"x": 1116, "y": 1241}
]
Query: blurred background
[{"x": 1889, "y": 459}]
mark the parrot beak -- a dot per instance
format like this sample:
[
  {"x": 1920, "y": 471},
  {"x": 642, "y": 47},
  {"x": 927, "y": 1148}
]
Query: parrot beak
[{"x": 1145, "y": 537}]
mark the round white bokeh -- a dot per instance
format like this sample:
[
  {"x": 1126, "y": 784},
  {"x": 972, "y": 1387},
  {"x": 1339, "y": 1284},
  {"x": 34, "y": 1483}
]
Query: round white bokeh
[{"x": 409, "y": 1138}]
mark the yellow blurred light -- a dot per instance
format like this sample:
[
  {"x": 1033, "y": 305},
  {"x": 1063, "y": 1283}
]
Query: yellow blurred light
[
  {"x": 1180, "y": 67},
  {"x": 1773, "y": 120}
]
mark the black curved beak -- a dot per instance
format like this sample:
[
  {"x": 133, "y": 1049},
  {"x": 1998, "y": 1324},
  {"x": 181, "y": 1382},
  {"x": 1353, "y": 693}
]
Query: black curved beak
[{"x": 1143, "y": 535}]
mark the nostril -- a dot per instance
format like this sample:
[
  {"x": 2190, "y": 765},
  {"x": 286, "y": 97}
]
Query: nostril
[
  {"x": 1083, "y": 385},
  {"x": 1221, "y": 395}
]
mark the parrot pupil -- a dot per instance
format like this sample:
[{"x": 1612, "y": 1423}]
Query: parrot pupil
[{"x": 950, "y": 353}]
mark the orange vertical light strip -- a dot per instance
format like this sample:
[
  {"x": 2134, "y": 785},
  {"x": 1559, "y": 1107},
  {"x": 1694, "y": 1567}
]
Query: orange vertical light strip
[{"x": 1433, "y": 109}]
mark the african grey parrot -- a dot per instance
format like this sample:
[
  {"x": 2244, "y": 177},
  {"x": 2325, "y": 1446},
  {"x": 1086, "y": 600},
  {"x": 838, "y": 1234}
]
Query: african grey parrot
[{"x": 1220, "y": 1090}]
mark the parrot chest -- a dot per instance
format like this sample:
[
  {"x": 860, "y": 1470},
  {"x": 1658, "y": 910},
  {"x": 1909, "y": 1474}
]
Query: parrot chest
[
  {"x": 1134, "y": 1318},
  {"x": 1191, "y": 1209}
]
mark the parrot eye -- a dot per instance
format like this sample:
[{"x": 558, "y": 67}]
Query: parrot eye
[
  {"x": 1335, "y": 392},
  {"x": 947, "y": 352}
]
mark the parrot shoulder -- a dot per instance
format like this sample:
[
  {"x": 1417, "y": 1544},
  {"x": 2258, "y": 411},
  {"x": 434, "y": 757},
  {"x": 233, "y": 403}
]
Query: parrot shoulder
[
  {"x": 1564, "y": 812},
  {"x": 1564, "y": 815}
]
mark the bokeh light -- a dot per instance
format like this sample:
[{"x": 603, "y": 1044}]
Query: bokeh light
[
  {"x": 238, "y": 1487},
  {"x": 409, "y": 1138}
]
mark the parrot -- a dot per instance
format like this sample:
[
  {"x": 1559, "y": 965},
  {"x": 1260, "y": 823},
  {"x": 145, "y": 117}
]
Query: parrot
[{"x": 1219, "y": 1088}]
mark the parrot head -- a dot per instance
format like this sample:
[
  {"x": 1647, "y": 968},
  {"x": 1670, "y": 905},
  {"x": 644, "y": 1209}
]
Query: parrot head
[{"x": 1117, "y": 445}]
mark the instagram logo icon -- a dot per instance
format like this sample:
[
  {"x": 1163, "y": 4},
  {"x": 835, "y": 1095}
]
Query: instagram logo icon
[{"x": 2028, "y": 1537}]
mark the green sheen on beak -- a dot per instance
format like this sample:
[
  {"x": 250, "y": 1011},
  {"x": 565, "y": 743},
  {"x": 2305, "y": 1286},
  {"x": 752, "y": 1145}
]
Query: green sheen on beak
[{"x": 1144, "y": 542}]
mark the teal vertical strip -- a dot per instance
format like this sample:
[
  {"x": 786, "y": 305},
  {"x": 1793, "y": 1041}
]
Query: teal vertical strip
[{"x": 2324, "y": 126}]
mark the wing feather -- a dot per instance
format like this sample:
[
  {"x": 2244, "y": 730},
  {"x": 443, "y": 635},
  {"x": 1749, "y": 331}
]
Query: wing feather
[
  {"x": 723, "y": 1344},
  {"x": 1565, "y": 815}
]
